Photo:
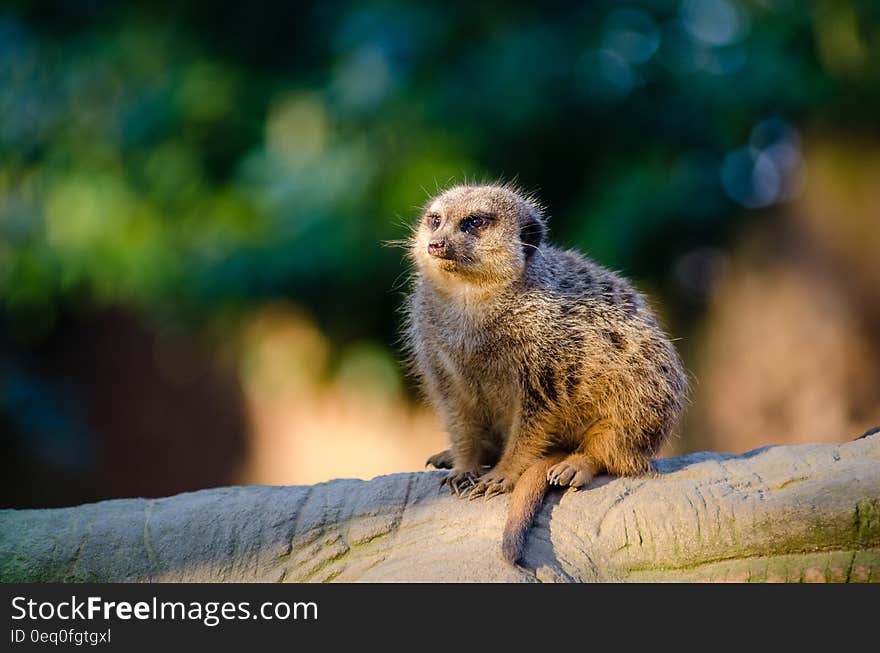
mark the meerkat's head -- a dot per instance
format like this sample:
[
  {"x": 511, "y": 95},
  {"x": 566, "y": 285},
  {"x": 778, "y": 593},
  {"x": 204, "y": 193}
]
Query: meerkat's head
[{"x": 482, "y": 235}]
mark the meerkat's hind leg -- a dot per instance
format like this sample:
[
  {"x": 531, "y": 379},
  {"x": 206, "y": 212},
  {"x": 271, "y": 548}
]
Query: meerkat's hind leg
[
  {"x": 603, "y": 448},
  {"x": 442, "y": 460},
  {"x": 579, "y": 467},
  {"x": 575, "y": 470}
]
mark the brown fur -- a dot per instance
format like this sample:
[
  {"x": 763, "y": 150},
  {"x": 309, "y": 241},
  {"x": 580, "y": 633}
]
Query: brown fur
[{"x": 542, "y": 364}]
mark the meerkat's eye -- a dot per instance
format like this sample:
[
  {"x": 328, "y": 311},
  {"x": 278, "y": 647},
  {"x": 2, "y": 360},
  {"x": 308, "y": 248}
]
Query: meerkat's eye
[
  {"x": 474, "y": 222},
  {"x": 433, "y": 221}
]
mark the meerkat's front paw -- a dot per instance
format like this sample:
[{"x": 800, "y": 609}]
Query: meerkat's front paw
[
  {"x": 495, "y": 481},
  {"x": 574, "y": 471},
  {"x": 460, "y": 481},
  {"x": 442, "y": 460}
]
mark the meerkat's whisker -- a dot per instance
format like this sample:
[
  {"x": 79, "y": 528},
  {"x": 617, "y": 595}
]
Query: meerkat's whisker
[{"x": 535, "y": 247}]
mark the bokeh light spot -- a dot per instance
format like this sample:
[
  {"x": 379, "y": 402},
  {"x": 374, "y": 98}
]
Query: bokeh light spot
[
  {"x": 296, "y": 129},
  {"x": 715, "y": 22},
  {"x": 631, "y": 34}
]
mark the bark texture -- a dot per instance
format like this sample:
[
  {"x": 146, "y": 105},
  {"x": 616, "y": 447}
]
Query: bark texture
[{"x": 783, "y": 513}]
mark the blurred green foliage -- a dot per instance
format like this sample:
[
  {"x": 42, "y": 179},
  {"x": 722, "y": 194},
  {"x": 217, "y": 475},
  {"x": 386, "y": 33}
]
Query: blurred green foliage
[{"x": 188, "y": 160}]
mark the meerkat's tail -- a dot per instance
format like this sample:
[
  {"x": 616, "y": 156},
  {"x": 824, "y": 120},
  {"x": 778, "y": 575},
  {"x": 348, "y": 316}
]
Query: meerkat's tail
[{"x": 528, "y": 494}]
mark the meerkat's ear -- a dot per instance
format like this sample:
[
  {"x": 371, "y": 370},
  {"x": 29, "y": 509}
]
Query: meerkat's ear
[{"x": 531, "y": 234}]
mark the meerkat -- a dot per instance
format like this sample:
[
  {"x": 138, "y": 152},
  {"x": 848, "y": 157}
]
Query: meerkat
[{"x": 544, "y": 367}]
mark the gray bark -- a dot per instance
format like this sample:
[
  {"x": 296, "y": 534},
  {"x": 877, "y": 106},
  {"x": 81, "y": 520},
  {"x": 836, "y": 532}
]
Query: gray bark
[{"x": 785, "y": 513}]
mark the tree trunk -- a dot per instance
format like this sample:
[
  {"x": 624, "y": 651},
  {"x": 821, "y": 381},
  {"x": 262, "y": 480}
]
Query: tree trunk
[{"x": 785, "y": 513}]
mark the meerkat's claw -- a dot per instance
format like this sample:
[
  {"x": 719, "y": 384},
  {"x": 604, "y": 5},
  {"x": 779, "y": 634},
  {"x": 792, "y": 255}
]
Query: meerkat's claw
[
  {"x": 572, "y": 473},
  {"x": 561, "y": 474},
  {"x": 490, "y": 487},
  {"x": 495, "y": 491},
  {"x": 464, "y": 488},
  {"x": 477, "y": 492},
  {"x": 460, "y": 483}
]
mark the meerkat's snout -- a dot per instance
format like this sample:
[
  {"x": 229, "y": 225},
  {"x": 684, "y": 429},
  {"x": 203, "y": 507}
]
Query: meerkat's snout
[{"x": 439, "y": 248}]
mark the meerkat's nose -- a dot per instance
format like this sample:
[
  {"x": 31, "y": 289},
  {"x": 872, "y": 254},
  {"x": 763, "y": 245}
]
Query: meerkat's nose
[{"x": 438, "y": 248}]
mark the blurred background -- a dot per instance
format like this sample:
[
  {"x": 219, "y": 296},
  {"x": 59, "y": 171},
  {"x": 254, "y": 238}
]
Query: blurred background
[{"x": 193, "y": 287}]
